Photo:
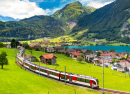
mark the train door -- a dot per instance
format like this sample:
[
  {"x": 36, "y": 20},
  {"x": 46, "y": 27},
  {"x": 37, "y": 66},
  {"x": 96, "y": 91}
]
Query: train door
[
  {"x": 70, "y": 79},
  {"x": 48, "y": 73},
  {"x": 91, "y": 82}
]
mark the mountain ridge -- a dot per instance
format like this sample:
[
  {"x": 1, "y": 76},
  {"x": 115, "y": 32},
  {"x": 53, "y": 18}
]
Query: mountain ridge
[{"x": 105, "y": 22}]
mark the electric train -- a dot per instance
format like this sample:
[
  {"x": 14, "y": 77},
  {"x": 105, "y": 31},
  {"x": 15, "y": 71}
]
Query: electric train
[{"x": 59, "y": 75}]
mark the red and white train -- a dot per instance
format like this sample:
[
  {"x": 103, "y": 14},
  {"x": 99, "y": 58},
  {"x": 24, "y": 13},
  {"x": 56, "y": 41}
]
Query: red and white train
[{"x": 59, "y": 75}]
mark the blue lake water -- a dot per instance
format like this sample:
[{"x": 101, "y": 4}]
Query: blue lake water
[{"x": 117, "y": 48}]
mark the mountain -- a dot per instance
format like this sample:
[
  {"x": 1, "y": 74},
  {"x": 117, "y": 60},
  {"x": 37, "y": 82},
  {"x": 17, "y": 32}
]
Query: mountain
[
  {"x": 111, "y": 22},
  {"x": 6, "y": 18},
  {"x": 32, "y": 28},
  {"x": 71, "y": 13}
]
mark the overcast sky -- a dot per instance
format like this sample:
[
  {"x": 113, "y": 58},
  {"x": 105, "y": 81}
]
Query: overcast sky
[{"x": 20, "y": 9}]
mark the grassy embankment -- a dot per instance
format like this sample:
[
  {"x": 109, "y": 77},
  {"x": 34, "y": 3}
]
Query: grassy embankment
[
  {"x": 113, "y": 79},
  {"x": 14, "y": 80}
]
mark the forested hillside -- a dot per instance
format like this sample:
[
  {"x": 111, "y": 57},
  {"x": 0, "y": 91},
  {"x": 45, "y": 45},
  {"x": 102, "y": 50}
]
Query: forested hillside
[
  {"x": 31, "y": 28},
  {"x": 106, "y": 22}
]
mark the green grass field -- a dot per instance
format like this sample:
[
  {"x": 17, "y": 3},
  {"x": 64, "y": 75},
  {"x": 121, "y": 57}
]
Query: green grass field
[
  {"x": 113, "y": 79},
  {"x": 14, "y": 80},
  {"x": 58, "y": 39}
]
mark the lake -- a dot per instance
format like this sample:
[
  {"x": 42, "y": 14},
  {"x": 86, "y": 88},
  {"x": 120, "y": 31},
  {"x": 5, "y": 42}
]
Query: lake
[{"x": 117, "y": 48}]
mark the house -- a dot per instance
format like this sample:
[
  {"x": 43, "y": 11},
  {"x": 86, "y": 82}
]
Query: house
[
  {"x": 122, "y": 64},
  {"x": 83, "y": 50},
  {"x": 89, "y": 56},
  {"x": 7, "y": 45},
  {"x": 128, "y": 59},
  {"x": 105, "y": 61},
  {"x": 59, "y": 49},
  {"x": 106, "y": 56},
  {"x": 50, "y": 50},
  {"x": 30, "y": 58},
  {"x": 70, "y": 50},
  {"x": 124, "y": 53},
  {"x": 121, "y": 55},
  {"x": 48, "y": 59},
  {"x": 125, "y": 65},
  {"x": 74, "y": 54}
]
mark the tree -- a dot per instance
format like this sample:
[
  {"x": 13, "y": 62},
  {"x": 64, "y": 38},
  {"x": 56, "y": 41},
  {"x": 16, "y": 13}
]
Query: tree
[
  {"x": 1, "y": 45},
  {"x": 3, "y": 59},
  {"x": 13, "y": 43},
  {"x": 25, "y": 45},
  {"x": 67, "y": 54},
  {"x": 98, "y": 54},
  {"x": 37, "y": 49},
  {"x": 112, "y": 50},
  {"x": 80, "y": 58}
]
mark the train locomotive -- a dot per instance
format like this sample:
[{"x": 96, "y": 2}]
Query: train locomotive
[{"x": 55, "y": 74}]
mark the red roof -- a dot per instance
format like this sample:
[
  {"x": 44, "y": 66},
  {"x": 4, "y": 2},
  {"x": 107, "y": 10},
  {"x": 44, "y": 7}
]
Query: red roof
[
  {"x": 105, "y": 54},
  {"x": 75, "y": 53},
  {"x": 121, "y": 55},
  {"x": 28, "y": 56},
  {"x": 123, "y": 52},
  {"x": 113, "y": 55},
  {"x": 49, "y": 56}
]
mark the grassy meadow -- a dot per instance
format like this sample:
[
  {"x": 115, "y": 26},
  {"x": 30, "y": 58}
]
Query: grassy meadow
[
  {"x": 112, "y": 79},
  {"x": 14, "y": 80}
]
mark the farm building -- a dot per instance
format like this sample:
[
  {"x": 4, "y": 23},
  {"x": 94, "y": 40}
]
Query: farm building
[
  {"x": 30, "y": 58},
  {"x": 48, "y": 59},
  {"x": 74, "y": 54}
]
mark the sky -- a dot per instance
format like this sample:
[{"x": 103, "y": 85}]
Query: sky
[{"x": 20, "y": 9}]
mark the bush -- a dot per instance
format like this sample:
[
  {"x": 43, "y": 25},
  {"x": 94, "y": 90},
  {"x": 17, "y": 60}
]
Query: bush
[{"x": 80, "y": 58}]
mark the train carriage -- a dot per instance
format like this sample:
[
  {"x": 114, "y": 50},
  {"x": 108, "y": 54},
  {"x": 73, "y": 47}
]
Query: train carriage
[{"x": 53, "y": 74}]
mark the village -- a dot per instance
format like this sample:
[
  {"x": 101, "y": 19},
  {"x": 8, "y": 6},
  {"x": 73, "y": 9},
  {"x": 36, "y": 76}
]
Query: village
[{"x": 117, "y": 61}]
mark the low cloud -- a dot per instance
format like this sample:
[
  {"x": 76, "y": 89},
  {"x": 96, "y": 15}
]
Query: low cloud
[
  {"x": 97, "y": 4},
  {"x": 20, "y": 9}
]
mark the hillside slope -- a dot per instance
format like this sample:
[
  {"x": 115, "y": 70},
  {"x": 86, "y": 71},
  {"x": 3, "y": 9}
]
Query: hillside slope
[
  {"x": 71, "y": 13},
  {"x": 105, "y": 22},
  {"x": 31, "y": 28}
]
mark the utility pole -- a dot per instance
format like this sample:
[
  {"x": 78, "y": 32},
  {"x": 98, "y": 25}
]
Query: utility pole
[
  {"x": 39, "y": 68},
  {"x": 65, "y": 74},
  {"x": 103, "y": 75},
  {"x": 15, "y": 51}
]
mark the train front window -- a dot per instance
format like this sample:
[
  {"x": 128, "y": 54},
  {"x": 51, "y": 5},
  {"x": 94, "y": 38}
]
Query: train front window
[
  {"x": 94, "y": 82},
  {"x": 97, "y": 81}
]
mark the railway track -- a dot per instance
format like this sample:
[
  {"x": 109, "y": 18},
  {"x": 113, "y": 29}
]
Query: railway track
[
  {"x": 99, "y": 90},
  {"x": 113, "y": 91}
]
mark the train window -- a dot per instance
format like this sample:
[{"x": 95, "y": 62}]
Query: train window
[
  {"x": 63, "y": 77},
  {"x": 81, "y": 79},
  {"x": 87, "y": 81},
  {"x": 32, "y": 67},
  {"x": 97, "y": 81},
  {"x": 43, "y": 70},
  {"x": 37, "y": 68},
  {"x": 53, "y": 73},
  {"x": 94, "y": 82},
  {"x": 26, "y": 64},
  {"x": 78, "y": 79}
]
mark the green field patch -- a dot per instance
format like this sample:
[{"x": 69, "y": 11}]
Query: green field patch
[{"x": 128, "y": 20}]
